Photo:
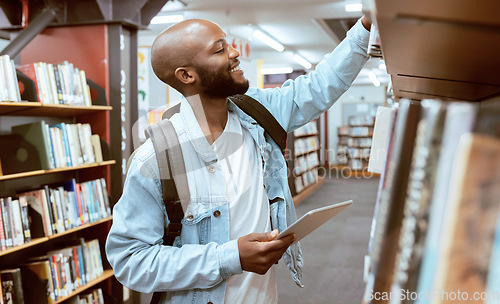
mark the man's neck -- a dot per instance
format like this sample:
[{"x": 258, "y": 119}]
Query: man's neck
[{"x": 211, "y": 114}]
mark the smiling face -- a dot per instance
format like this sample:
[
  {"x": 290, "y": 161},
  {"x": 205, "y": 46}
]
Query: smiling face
[
  {"x": 217, "y": 65},
  {"x": 194, "y": 57}
]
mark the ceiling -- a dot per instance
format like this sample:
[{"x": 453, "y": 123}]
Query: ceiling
[{"x": 309, "y": 28}]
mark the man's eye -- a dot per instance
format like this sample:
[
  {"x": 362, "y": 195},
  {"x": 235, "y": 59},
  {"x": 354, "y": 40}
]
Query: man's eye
[{"x": 220, "y": 51}]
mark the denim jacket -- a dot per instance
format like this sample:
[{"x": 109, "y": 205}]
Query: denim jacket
[{"x": 194, "y": 269}]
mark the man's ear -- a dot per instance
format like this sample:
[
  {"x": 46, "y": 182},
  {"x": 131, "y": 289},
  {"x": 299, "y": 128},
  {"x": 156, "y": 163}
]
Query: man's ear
[{"x": 185, "y": 75}]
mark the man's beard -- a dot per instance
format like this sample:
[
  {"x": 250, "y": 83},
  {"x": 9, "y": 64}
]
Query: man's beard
[{"x": 219, "y": 84}]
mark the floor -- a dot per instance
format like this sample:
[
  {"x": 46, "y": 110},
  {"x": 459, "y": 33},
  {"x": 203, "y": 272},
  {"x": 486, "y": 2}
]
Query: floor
[{"x": 333, "y": 254}]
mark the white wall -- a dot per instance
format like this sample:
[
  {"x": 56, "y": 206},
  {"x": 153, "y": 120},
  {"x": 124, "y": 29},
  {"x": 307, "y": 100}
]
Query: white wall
[{"x": 367, "y": 94}]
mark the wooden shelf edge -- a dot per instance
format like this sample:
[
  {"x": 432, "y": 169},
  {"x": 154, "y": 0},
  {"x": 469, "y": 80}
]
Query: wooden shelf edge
[
  {"x": 308, "y": 169},
  {"x": 307, "y": 152},
  {"x": 49, "y": 171},
  {"x": 39, "y": 109},
  {"x": 104, "y": 276},
  {"x": 308, "y": 190},
  {"x": 72, "y": 230},
  {"x": 24, "y": 246},
  {"x": 51, "y": 237},
  {"x": 306, "y": 135}
]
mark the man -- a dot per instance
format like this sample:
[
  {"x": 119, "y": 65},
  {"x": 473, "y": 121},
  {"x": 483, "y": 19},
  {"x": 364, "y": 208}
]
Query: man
[{"x": 227, "y": 248}]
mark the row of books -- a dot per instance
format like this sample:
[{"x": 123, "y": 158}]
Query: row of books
[
  {"x": 48, "y": 278},
  {"x": 62, "y": 145},
  {"x": 359, "y": 153},
  {"x": 361, "y": 120},
  {"x": 306, "y": 162},
  {"x": 9, "y": 90},
  {"x": 306, "y": 144},
  {"x": 360, "y": 131},
  {"x": 58, "y": 83},
  {"x": 357, "y": 164},
  {"x": 51, "y": 210},
  {"x": 308, "y": 129},
  {"x": 93, "y": 296},
  {"x": 437, "y": 217},
  {"x": 306, "y": 179}
]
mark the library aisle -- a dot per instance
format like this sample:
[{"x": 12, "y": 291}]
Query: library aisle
[{"x": 334, "y": 254}]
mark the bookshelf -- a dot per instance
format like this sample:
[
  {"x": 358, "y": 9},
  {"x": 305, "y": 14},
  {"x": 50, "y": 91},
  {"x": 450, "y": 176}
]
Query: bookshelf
[
  {"x": 303, "y": 161},
  {"x": 354, "y": 142},
  {"x": 439, "y": 153}
]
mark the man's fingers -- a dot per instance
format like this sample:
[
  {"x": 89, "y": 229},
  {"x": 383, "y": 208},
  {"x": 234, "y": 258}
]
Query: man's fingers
[{"x": 264, "y": 237}]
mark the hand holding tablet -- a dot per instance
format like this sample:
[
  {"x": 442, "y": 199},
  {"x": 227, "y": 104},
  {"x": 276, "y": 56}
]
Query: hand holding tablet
[{"x": 313, "y": 220}]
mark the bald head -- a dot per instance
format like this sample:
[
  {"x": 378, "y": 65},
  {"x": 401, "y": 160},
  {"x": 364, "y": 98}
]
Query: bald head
[{"x": 177, "y": 47}]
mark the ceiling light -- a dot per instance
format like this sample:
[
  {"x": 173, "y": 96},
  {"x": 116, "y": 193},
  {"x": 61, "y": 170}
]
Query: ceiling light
[
  {"x": 268, "y": 40},
  {"x": 373, "y": 78},
  {"x": 302, "y": 61},
  {"x": 167, "y": 19},
  {"x": 353, "y": 7},
  {"x": 282, "y": 70}
]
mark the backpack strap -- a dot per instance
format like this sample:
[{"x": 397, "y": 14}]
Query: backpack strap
[
  {"x": 263, "y": 117},
  {"x": 174, "y": 186}
]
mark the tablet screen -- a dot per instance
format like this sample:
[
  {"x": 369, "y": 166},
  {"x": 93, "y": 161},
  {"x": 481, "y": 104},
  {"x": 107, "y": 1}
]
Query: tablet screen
[{"x": 314, "y": 219}]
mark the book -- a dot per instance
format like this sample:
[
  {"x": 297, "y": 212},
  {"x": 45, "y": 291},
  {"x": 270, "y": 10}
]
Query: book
[
  {"x": 7, "y": 222},
  {"x": 17, "y": 226},
  {"x": 493, "y": 282},
  {"x": 392, "y": 198},
  {"x": 38, "y": 212},
  {"x": 418, "y": 198},
  {"x": 35, "y": 133},
  {"x": 471, "y": 217},
  {"x": 12, "y": 287},
  {"x": 460, "y": 119},
  {"x": 24, "y": 219},
  {"x": 2, "y": 233},
  {"x": 64, "y": 142},
  {"x": 96, "y": 145},
  {"x": 381, "y": 132},
  {"x": 11, "y": 78},
  {"x": 38, "y": 276}
]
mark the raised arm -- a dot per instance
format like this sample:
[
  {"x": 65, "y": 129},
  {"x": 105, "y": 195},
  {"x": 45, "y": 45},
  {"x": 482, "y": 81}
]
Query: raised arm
[{"x": 300, "y": 101}]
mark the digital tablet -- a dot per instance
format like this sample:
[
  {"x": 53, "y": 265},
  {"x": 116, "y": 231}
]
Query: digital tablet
[{"x": 313, "y": 219}]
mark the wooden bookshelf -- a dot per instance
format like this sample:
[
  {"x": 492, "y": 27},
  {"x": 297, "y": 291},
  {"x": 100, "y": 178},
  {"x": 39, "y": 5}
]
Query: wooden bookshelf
[
  {"x": 52, "y": 110},
  {"x": 104, "y": 276},
  {"x": 56, "y": 170},
  {"x": 306, "y": 152}
]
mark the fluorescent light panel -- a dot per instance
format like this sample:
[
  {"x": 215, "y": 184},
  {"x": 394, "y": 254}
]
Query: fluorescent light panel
[
  {"x": 373, "y": 78},
  {"x": 353, "y": 7},
  {"x": 282, "y": 70},
  {"x": 268, "y": 40},
  {"x": 167, "y": 19},
  {"x": 303, "y": 62}
]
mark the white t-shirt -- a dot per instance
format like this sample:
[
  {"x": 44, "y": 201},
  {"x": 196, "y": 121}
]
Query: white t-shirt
[{"x": 241, "y": 162}]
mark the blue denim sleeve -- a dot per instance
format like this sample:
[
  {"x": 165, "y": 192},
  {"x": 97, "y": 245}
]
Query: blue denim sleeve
[
  {"x": 301, "y": 100},
  {"x": 134, "y": 245}
]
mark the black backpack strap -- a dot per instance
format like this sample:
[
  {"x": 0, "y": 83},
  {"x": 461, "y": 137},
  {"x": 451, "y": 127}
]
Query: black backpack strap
[
  {"x": 173, "y": 178},
  {"x": 263, "y": 117}
]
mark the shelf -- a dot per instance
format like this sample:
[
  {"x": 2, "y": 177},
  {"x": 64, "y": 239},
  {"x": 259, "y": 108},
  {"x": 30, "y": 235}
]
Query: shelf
[
  {"x": 367, "y": 126},
  {"x": 308, "y": 169},
  {"x": 45, "y": 239},
  {"x": 359, "y": 136},
  {"x": 304, "y": 153},
  {"x": 359, "y": 147},
  {"x": 306, "y": 135},
  {"x": 306, "y": 191},
  {"x": 423, "y": 64},
  {"x": 104, "y": 276},
  {"x": 358, "y": 157},
  {"x": 38, "y": 109},
  {"x": 56, "y": 170}
]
